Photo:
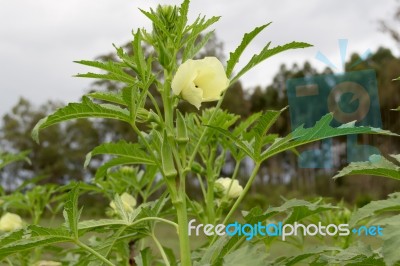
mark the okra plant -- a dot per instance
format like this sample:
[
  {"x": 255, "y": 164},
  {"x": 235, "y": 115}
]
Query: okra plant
[{"x": 171, "y": 148}]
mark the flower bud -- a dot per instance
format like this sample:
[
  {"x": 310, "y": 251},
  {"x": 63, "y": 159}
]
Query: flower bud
[
  {"x": 10, "y": 222},
  {"x": 197, "y": 168},
  {"x": 181, "y": 130},
  {"x": 127, "y": 170},
  {"x": 228, "y": 187},
  {"x": 128, "y": 202},
  {"x": 168, "y": 15},
  {"x": 167, "y": 158}
]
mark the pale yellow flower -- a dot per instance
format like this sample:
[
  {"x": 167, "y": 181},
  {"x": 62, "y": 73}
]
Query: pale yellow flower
[
  {"x": 200, "y": 81},
  {"x": 128, "y": 201},
  {"x": 229, "y": 187},
  {"x": 10, "y": 222}
]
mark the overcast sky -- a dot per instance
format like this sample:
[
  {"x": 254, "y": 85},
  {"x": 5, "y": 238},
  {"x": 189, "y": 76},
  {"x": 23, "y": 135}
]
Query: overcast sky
[{"x": 40, "y": 39}]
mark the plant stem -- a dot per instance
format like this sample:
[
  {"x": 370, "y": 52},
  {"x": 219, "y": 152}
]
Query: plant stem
[
  {"x": 94, "y": 252},
  {"x": 178, "y": 197},
  {"x": 210, "y": 187},
  {"x": 161, "y": 249},
  {"x": 155, "y": 219},
  {"x": 183, "y": 232}
]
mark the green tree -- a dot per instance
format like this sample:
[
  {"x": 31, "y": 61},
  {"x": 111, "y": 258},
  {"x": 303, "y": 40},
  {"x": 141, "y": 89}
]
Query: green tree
[{"x": 60, "y": 157}]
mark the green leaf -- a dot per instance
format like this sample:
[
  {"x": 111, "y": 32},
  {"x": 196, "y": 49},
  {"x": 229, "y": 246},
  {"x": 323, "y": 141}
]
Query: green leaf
[
  {"x": 245, "y": 124},
  {"x": 321, "y": 130},
  {"x": 246, "y": 148},
  {"x": 377, "y": 165},
  {"x": 129, "y": 151},
  {"x": 95, "y": 224},
  {"x": 156, "y": 21},
  {"x": 144, "y": 258},
  {"x": 376, "y": 207},
  {"x": 106, "y": 96},
  {"x": 86, "y": 109},
  {"x": 295, "y": 208},
  {"x": 30, "y": 238},
  {"x": 122, "y": 160},
  {"x": 246, "y": 255},
  {"x": 190, "y": 52},
  {"x": 7, "y": 158},
  {"x": 267, "y": 53},
  {"x": 212, "y": 252},
  {"x": 138, "y": 55},
  {"x": 183, "y": 16},
  {"x": 391, "y": 239},
  {"x": 235, "y": 56},
  {"x": 196, "y": 29},
  {"x": 170, "y": 255},
  {"x": 115, "y": 71},
  {"x": 306, "y": 254},
  {"x": 264, "y": 123},
  {"x": 356, "y": 255},
  {"x": 71, "y": 213},
  {"x": 397, "y": 109}
]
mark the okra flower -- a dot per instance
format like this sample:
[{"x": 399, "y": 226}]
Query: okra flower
[
  {"x": 198, "y": 81},
  {"x": 10, "y": 222},
  {"x": 228, "y": 187},
  {"x": 128, "y": 202}
]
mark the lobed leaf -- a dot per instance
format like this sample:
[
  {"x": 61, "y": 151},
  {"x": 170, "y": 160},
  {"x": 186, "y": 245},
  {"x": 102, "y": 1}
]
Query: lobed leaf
[
  {"x": 122, "y": 160},
  {"x": 321, "y": 130},
  {"x": 267, "y": 53},
  {"x": 196, "y": 29},
  {"x": 115, "y": 71},
  {"x": 245, "y": 147},
  {"x": 235, "y": 56},
  {"x": 86, "y": 109},
  {"x": 190, "y": 52},
  {"x": 391, "y": 239},
  {"x": 247, "y": 255},
  {"x": 131, "y": 151},
  {"x": 30, "y": 238},
  {"x": 95, "y": 224},
  {"x": 106, "y": 96},
  {"x": 71, "y": 213},
  {"x": 306, "y": 254},
  {"x": 264, "y": 123},
  {"x": 183, "y": 13},
  {"x": 376, "y": 207},
  {"x": 139, "y": 58},
  {"x": 377, "y": 165}
]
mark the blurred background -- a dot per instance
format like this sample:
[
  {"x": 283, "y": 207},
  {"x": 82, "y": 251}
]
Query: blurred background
[{"x": 41, "y": 39}]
